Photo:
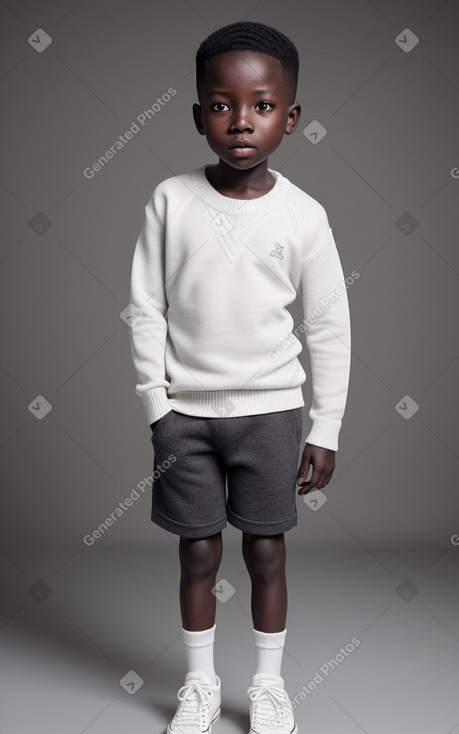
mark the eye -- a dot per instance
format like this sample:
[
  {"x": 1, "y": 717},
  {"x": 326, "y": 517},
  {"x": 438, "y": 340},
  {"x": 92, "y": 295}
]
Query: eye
[
  {"x": 219, "y": 105},
  {"x": 267, "y": 105}
]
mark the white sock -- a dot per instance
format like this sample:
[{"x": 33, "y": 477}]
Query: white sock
[
  {"x": 269, "y": 647},
  {"x": 200, "y": 651}
]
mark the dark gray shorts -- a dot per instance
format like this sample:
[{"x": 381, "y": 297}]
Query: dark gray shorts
[{"x": 256, "y": 454}]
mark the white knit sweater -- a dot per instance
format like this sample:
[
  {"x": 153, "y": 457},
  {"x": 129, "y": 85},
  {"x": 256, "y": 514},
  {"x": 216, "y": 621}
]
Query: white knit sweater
[{"x": 211, "y": 278}]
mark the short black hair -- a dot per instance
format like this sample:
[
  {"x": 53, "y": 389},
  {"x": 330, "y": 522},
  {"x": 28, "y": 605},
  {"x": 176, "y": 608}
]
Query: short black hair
[{"x": 250, "y": 36}]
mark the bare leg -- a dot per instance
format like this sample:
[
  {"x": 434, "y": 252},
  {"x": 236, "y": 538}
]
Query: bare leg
[
  {"x": 200, "y": 560},
  {"x": 264, "y": 556}
]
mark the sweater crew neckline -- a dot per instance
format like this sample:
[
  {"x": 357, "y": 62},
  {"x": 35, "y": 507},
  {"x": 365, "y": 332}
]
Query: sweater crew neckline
[{"x": 211, "y": 196}]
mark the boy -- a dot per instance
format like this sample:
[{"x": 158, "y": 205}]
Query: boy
[{"x": 222, "y": 251}]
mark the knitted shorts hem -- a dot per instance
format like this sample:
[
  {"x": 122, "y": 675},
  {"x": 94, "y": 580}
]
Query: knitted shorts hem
[
  {"x": 188, "y": 531},
  {"x": 204, "y": 531},
  {"x": 262, "y": 528}
]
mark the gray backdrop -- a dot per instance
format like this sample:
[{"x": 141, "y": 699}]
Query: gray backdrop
[
  {"x": 78, "y": 618},
  {"x": 386, "y": 171}
]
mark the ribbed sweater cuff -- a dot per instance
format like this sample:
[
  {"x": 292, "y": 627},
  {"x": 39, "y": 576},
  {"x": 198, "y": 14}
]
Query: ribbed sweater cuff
[
  {"x": 156, "y": 404},
  {"x": 324, "y": 432}
]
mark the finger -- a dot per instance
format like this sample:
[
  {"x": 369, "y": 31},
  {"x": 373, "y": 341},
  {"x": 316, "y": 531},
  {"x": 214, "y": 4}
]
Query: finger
[
  {"x": 307, "y": 467},
  {"x": 317, "y": 480},
  {"x": 303, "y": 473},
  {"x": 306, "y": 486}
]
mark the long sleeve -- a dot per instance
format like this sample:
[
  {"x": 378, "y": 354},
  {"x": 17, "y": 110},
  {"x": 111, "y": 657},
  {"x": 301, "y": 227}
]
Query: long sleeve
[
  {"x": 328, "y": 338},
  {"x": 148, "y": 333}
]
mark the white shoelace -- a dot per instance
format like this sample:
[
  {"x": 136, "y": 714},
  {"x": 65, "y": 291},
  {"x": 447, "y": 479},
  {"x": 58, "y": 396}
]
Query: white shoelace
[
  {"x": 193, "y": 704},
  {"x": 272, "y": 704}
]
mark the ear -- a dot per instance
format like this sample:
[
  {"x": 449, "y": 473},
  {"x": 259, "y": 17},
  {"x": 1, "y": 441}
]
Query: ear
[
  {"x": 294, "y": 114},
  {"x": 198, "y": 119}
]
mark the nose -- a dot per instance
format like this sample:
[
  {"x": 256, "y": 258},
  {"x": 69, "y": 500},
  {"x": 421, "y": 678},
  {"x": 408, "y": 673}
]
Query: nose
[{"x": 241, "y": 120}]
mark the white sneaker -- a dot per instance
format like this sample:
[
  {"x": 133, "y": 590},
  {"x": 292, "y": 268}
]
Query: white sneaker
[
  {"x": 199, "y": 707},
  {"x": 270, "y": 708}
]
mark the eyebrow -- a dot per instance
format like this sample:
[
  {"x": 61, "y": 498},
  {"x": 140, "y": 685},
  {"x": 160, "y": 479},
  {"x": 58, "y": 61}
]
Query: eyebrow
[{"x": 256, "y": 91}]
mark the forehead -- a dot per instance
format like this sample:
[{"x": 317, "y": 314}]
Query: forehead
[{"x": 234, "y": 68}]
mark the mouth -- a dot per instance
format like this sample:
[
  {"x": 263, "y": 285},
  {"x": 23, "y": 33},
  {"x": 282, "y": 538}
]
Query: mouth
[
  {"x": 240, "y": 144},
  {"x": 242, "y": 152}
]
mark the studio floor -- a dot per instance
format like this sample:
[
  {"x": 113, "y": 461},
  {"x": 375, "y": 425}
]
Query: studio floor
[{"x": 90, "y": 641}]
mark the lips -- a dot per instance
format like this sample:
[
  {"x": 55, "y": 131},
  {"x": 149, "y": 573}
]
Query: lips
[{"x": 240, "y": 144}]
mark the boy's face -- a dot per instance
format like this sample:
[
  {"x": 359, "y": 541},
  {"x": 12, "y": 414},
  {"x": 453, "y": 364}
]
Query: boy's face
[{"x": 244, "y": 96}]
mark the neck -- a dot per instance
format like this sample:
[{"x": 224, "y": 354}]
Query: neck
[{"x": 230, "y": 181}]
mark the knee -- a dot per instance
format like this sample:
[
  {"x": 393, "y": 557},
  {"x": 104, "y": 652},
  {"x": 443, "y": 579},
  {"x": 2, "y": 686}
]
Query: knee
[
  {"x": 200, "y": 558},
  {"x": 264, "y": 557}
]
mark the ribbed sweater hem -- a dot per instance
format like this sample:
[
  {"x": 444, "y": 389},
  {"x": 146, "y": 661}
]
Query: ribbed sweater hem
[{"x": 234, "y": 403}]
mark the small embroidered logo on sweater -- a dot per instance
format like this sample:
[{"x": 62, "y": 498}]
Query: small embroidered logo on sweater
[{"x": 277, "y": 252}]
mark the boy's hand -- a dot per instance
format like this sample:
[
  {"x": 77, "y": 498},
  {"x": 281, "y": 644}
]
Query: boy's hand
[{"x": 323, "y": 466}]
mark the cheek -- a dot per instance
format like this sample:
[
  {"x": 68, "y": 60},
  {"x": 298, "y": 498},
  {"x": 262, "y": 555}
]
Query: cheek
[
  {"x": 272, "y": 129},
  {"x": 215, "y": 127}
]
